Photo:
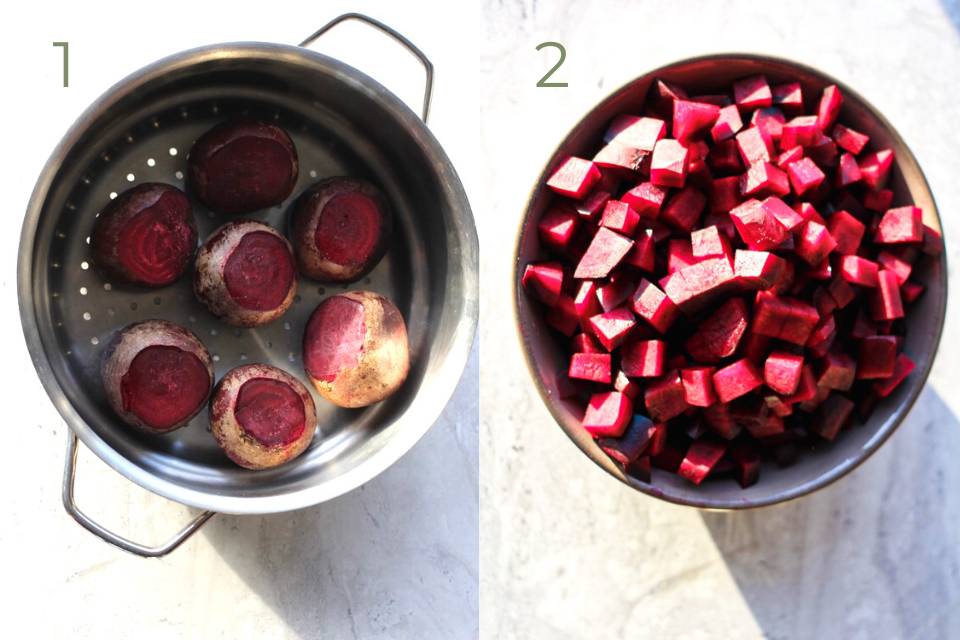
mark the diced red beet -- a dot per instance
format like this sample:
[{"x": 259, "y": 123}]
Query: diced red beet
[
  {"x": 814, "y": 243},
  {"x": 830, "y": 103},
  {"x": 862, "y": 326},
  {"x": 692, "y": 121},
  {"x": 802, "y": 131},
  {"x": 720, "y": 421},
  {"x": 781, "y": 372},
  {"x": 634, "y": 441},
  {"x": 831, "y": 415},
  {"x": 643, "y": 254},
  {"x": 822, "y": 331},
  {"x": 622, "y": 158},
  {"x": 848, "y": 139},
  {"x": 752, "y": 93},
  {"x": 800, "y": 323},
  {"x": 724, "y": 194},
  {"x": 810, "y": 405},
  {"x": 758, "y": 269},
  {"x": 590, "y": 366},
  {"x": 620, "y": 287},
  {"x": 625, "y": 385},
  {"x": 635, "y": 132},
  {"x": 824, "y": 153},
  {"x": 591, "y": 207},
  {"x": 608, "y": 414},
  {"x": 613, "y": 327},
  {"x": 847, "y": 231},
  {"x": 563, "y": 316},
  {"x": 574, "y": 177},
  {"x": 786, "y": 216},
  {"x": 661, "y": 95},
  {"x": 758, "y": 228},
  {"x": 788, "y": 96},
  {"x": 605, "y": 252},
  {"x": 848, "y": 172},
  {"x": 805, "y": 176},
  {"x": 837, "y": 371},
  {"x": 558, "y": 226},
  {"x": 878, "y": 356},
  {"x": 746, "y": 459},
  {"x": 901, "y": 267},
  {"x": 708, "y": 242},
  {"x": 664, "y": 397},
  {"x": 698, "y": 386},
  {"x": 700, "y": 284},
  {"x": 755, "y": 146},
  {"x": 778, "y": 406},
  {"x": 877, "y": 200},
  {"x": 762, "y": 179},
  {"x": 683, "y": 209},
  {"x": 901, "y": 369},
  {"x": 643, "y": 359},
  {"x": 784, "y": 318},
  {"x": 670, "y": 164},
  {"x": 736, "y": 379},
  {"x": 857, "y": 270},
  {"x": 769, "y": 120},
  {"x": 885, "y": 302},
  {"x": 543, "y": 281},
  {"x": 646, "y": 199},
  {"x": 903, "y": 224},
  {"x": 807, "y": 388},
  {"x": 932, "y": 241},
  {"x": 701, "y": 457},
  {"x": 679, "y": 254},
  {"x": 651, "y": 304},
  {"x": 841, "y": 292},
  {"x": 724, "y": 158},
  {"x": 586, "y": 343},
  {"x": 567, "y": 387},
  {"x": 727, "y": 124},
  {"x": 718, "y": 336},
  {"x": 875, "y": 168},
  {"x": 824, "y": 302},
  {"x": 619, "y": 217},
  {"x": 822, "y": 271},
  {"x": 788, "y": 157},
  {"x": 910, "y": 291}
]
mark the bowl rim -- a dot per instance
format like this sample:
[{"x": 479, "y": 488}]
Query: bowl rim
[{"x": 576, "y": 433}]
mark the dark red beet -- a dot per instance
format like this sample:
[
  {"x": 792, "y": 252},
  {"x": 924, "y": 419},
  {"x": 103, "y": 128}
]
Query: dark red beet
[
  {"x": 242, "y": 166},
  {"x": 145, "y": 237},
  {"x": 342, "y": 228}
]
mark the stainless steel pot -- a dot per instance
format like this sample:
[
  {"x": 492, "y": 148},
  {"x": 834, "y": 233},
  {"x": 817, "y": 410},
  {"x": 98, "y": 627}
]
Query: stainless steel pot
[{"x": 342, "y": 122}]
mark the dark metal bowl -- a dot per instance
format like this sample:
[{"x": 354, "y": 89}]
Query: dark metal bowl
[{"x": 822, "y": 464}]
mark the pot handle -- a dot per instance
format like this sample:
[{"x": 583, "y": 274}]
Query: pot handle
[
  {"x": 107, "y": 536},
  {"x": 427, "y": 65}
]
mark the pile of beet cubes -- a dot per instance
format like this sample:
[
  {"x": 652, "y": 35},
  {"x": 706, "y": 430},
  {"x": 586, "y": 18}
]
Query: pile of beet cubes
[{"x": 729, "y": 277}]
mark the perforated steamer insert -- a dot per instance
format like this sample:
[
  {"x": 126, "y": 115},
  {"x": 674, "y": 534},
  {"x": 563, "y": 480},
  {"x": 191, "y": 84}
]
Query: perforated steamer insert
[{"x": 342, "y": 123}]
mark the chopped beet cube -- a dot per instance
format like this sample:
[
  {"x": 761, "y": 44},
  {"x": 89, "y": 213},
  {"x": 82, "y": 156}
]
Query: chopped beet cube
[
  {"x": 670, "y": 164},
  {"x": 805, "y": 176},
  {"x": 824, "y": 302},
  {"x": 563, "y": 317},
  {"x": 752, "y": 93},
  {"x": 885, "y": 302},
  {"x": 758, "y": 269},
  {"x": 910, "y": 291},
  {"x": 574, "y": 177},
  {"x": 605, "y": 252},
  {"x": 698, "y": 386},
  {"x": 814, "y": 243},
  {"x": 786, "y": 216},
  {"x": 724, "y": 194},
  {"x": 727, "y": 124},
  {"x": 875, "y": 168},
  {"x": 557, "y": 227},
  {"x": 788, "y": 97},
  {"x": 877, "y": 200},
  {"x": 619, "y": 217},
  {"x": 878, "y": 355},
  {"x": 800, "y": 323},
  {"x": 590, "y": 366},
  {"x": 620, "y": 287},
  {"x": 708, "y": 242},
  {"x": 720, "y": 421},
  {"x": 613, "y": 327},
  {"x": 746, "y": 460},
  {"x": 857, "y": 270},
  {"x": 903, "y": 224},
  {"x": 646, "y": 199},
  {"x": 718, "y": 336},
  {"x": 635, "y": 132},
  {"x": 736, "y": 379},
  {"x": 700, "y": 284},
  {"x": 848, "y": 172},
  {"x": 781, "y": 372},
  {"x": 625, "y": 385},
  {"x": 790, "y": 156},
  {"x": 724, "y": 158},
  {"x": 692, "y": 121},
  {"x": 831, "y": 415},
  {"x": 901, "y": 369},
  {"x": 701, "y": 457},
  {"x": 841, "y": 292},
  {"x": 679, "y": 254},
  {"x": 824, "y": 153},
  {"x": 755, "y": 146},
  {"x": 807, "y": 388},
  {"x": 822, "y": 331},
  {"x": 830, "y": 103},
  {"x": 586, "y": 343},
  {"x": 852, "y": 141},
  {"x": 632, "y": 443},
  {"x": 643, "y": 359},
  {"x": 543, "y": 281},
  {"x": 607, "y": 414},
  {"x": 592, "y": 206},
  {"x": 847, "y": 231},
  {"x": 618, "y": 156},
  {"x": 643, "y": 255},
  {"x": 567, "y": 387},
  {"x": 770, "y": 120},
  {"x": 837, "y": 371},
  {"x": 932, "y": 241},
  {"x": 664, "y": 397},
  {"x": 651, "y": 304},
  {"x": 683, "y": 209},
  {"x": 762, "y": 179},
  {"x": 586, "y": 304},
  {"x": 758, "y": 228},
  {"x": 661, "y": 95},
  {"x": 802, "y": 131},
  {"x": 894, "y": 263}
]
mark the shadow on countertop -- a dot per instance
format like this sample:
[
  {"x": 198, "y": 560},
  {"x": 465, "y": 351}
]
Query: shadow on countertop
[
  {"x": 874, "y": 555},
  {"x": 398, "y": 557}
]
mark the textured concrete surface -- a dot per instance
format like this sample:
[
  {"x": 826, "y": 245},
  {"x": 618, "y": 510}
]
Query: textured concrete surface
[
  {"x": 397, "y": 558},
  {"x": 568, "y": 552}
]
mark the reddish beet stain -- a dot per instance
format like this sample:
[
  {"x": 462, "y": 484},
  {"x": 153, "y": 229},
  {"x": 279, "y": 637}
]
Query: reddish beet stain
[
  {"x": 259, "y": 271},
  {"x": 334, "y": 338},
  {"x": 164, "y": 385},
  {"x": 349, "y": 229},
  {"x": 247, "y": 174},
  {"x": 270, "y": 412},
  {"x": 155, "y": 244}
]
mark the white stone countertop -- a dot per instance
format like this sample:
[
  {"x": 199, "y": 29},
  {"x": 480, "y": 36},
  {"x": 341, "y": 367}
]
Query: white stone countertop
[
  {"x": 567, "y": 552},
  {"x": 396, "y": 558}
]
